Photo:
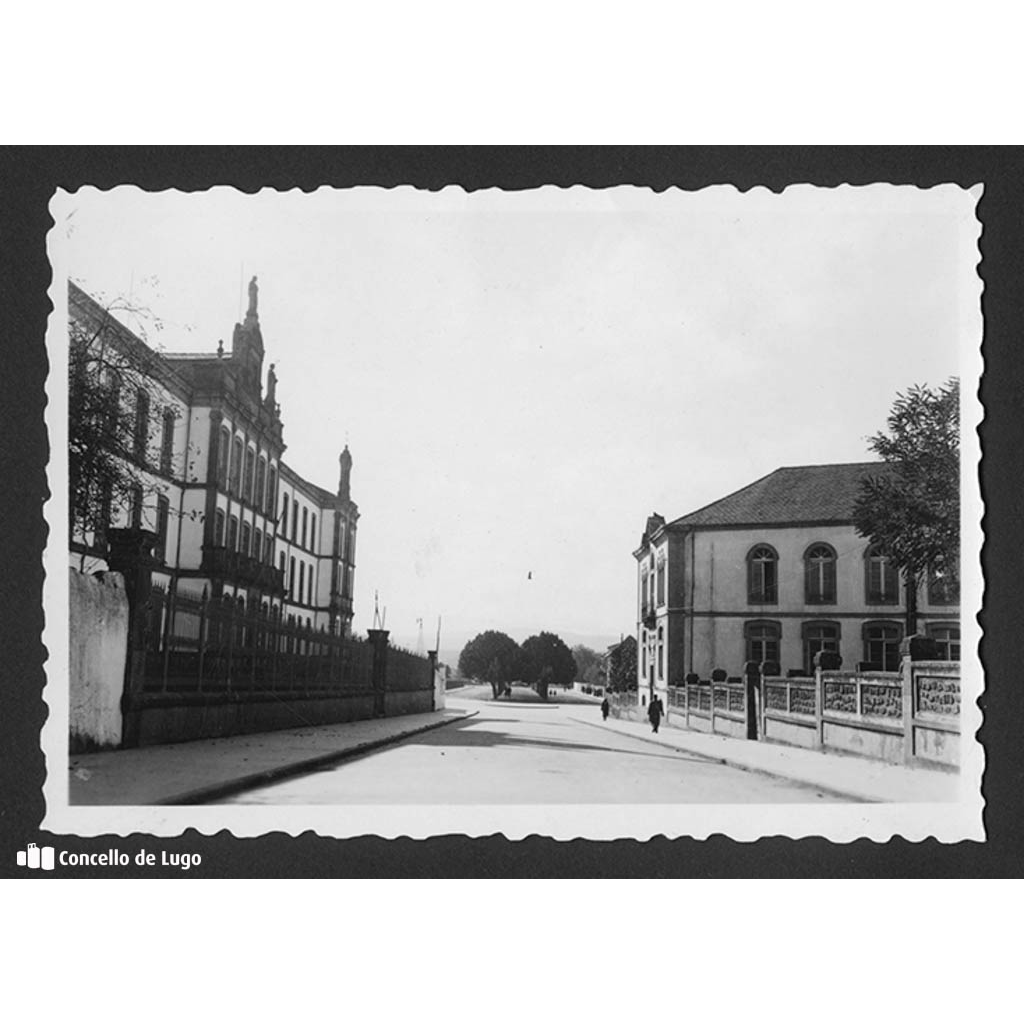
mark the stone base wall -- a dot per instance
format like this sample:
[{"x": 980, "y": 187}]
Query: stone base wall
[{"x": 178, "y": 720}]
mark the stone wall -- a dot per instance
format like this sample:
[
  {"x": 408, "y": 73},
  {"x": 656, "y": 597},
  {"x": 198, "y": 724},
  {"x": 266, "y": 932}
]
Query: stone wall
[{"x": 98, "y": 641}]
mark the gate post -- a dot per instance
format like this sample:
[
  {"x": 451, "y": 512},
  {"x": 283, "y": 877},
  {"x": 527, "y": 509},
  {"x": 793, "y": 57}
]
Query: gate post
[
  {"x": 131, "y": 554},
  {"x": 379, "y": 641},
  {"x": 752, "y": 685},
  {"x": 432, "y": 657}
]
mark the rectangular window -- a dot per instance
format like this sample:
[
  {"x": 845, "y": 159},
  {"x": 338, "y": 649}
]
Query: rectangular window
[
  {"x": 236, "y": 465},
  {"x": 224, "y": 458},
  {"x": 141, "y": 436},
  {"x": 218, "y": 528},
  {"x": 819, "y": 636},
  {"x": 163, "y": 511},
  {"x": 272, "y": 491},
  {"x": 268, "y": 549},
  {"x": 302, "y": 579},
  {"x": 947, "y": 640},
  {"x": 882, "y": 646},
  {"x": 257, "y": 544},
  {"x": 763, "y": 639},
  {"x": 305, "y": 524},
  {"x": 284, "y": 513},
  {"x": 661, "y": 581},
  {"x": 291, "y": 577},
  {"x": 250, "y": 462},
  {"x": 644, "y": 604},
  {"x": 233, "y": 533},
  {"x": 136, "y": 507},
  {"x": 246, "y": 538},
  {"x": 944, "y": 585},
  {"x": 261, "y": 477},
  {"x": 312, "y": 532},
  {"x": 295, "y": 521},
  {"x": 167, "y": 443}
]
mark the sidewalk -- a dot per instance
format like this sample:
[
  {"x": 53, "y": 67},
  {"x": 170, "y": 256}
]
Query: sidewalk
[
  {"x": 201, "y": 770},
  {"x": 848, "y": 775}
]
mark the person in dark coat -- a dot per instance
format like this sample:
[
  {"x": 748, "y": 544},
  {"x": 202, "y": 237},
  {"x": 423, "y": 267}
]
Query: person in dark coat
[
  {"x": 654, "y": 712},
  {"x": 605, "y": 709}
]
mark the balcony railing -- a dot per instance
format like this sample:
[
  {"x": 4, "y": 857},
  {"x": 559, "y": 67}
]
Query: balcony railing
[{"x": 221, "y": 563}]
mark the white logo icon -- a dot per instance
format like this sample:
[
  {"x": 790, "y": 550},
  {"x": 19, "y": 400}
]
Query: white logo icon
[{"x": 36, "y": 858}]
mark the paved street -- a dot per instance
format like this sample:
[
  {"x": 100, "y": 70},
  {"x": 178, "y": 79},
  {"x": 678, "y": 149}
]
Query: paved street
[{"x": 525, "y": 752}]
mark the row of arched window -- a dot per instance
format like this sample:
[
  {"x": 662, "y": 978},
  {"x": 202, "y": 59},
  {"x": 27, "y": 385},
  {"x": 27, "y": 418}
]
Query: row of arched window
[{"x": 881, "y": 580}]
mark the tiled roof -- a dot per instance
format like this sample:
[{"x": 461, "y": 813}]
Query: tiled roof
[{"x": 793, "y": 494}]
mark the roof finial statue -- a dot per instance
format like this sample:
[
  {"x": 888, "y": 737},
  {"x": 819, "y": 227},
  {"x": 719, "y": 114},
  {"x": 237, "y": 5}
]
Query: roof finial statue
[
  {"x": 253, "y": 293},
  {"x": 344, "y": 481},
  {"x": 271, "y": 385}
]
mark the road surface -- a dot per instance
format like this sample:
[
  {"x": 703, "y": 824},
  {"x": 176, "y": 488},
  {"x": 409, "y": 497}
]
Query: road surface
[{"x": 522, "y": 752}]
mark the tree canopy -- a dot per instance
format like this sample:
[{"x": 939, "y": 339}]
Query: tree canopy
[
  {"x": 547, "y": 661},
  {"x": 913, "y": 508},
  {"x": 112, "y": 406},
  {"x": 588, "y": 664},
  {"x": 622, "y": 666},
  {"x": 492, "y": 656}
]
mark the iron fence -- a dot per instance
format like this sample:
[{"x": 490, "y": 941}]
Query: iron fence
[{"x": 196, "y": 644}]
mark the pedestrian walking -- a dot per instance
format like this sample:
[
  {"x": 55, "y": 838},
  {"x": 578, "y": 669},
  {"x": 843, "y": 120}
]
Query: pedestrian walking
[
  {"x": 654, "y": 712},
  {"x": 605, "y": 709}
]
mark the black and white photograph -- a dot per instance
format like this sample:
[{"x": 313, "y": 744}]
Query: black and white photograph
[{"x": 586, "y": 513}]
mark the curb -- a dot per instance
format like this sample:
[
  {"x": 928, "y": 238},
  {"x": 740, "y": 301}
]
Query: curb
[
  {"x": 743, "y": 766},
  {"x": 205, "y": 794}
]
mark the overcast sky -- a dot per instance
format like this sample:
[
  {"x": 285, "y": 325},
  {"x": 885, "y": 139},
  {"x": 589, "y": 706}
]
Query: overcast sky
[{"x": 523, "y": 377}]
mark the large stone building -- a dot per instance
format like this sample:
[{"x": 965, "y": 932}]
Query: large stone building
[
  {"x": 776, "y": 572},
  {"x": 230, "y": 516}
]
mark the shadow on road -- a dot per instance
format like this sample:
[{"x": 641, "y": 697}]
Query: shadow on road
[{"x": 467, "y": 733}]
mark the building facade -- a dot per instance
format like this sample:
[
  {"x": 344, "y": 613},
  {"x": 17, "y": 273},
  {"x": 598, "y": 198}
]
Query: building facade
[
  {"x": 230, "y": 516},
  {"x": 777, "y": 572}
]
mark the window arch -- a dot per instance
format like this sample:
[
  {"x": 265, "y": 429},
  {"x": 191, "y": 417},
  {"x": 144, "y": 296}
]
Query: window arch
[
  {"x": 881, "y": 580},
  {"x": 762, "y": 575},
  {"x": 882, "y": 646},
  {"x": 763, "y": 640},
  {"x": 820, "y": 574}
]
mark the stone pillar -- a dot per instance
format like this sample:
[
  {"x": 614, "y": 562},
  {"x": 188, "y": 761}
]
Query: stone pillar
[
  {"x": 432, "y": 658},
  {"x": 912, "y": 648},
  {"x": 379, "y": 641},
  {"x": 752, "y": 685},
  {"x": 824, "y": 661},
  {"x": 131, "y": 554}
]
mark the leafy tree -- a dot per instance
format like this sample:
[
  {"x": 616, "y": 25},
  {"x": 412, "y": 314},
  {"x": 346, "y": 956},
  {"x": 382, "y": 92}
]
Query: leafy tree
[
  {"x": 622, "y": 666},
  {"x": 588, "y": 664},
  {"x": 114, "y": 408},
  {"x": 913, "y": 508},
  {"x": 547, "y": 661},
  {"x": 493, "y": 656}
]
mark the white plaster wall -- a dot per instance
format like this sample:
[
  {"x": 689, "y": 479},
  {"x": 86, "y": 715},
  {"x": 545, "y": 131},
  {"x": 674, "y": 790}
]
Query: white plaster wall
[{"x": 98, "y": 624}]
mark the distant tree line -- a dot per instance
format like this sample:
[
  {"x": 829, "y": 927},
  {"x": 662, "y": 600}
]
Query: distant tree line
[{"x": 540, "y": 661}]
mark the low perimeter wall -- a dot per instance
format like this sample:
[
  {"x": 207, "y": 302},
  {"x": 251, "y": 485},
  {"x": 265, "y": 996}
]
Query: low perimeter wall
[
  {"x": 906, "y": 717},
  {"x": 98, "y": 641}
]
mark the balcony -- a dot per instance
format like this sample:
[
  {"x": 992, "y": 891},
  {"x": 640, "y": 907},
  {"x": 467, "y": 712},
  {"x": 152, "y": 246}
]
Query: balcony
[{"x": 220, "y": 563}]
